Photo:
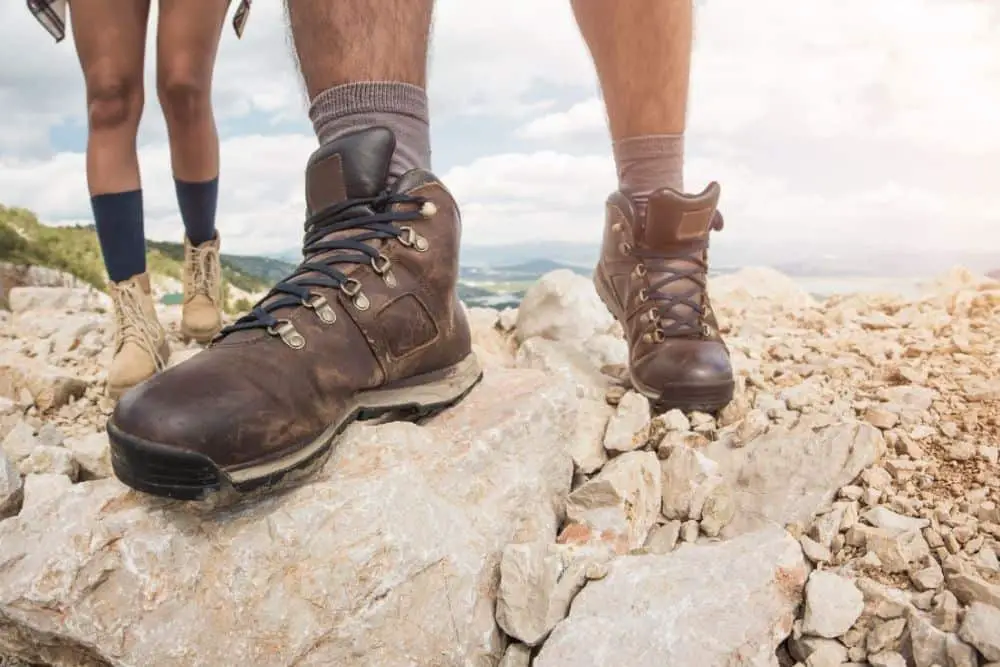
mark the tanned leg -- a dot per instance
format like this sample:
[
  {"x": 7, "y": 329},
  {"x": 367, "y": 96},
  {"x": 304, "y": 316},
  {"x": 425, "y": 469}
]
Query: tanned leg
[
  {"x": 364, "y": 63},
  {"x": 187, "y": 41},
  {"x": 110, "y": 40},
  {"x": 654, "y": 261},
  {"x": 642, "y": 52}
]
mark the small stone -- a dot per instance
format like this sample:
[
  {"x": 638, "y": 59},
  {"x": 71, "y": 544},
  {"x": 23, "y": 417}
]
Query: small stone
[
  {"x": 883, "y": 517},
  {"x": 880, "y": 418},
  {"x": 675, "y": 420},
  {"x": 19, "y": 442},
  {"x": 11, "y": 489},
  {"x": 689, "y": 531},
  {"x": 619, "y": 505},
  {"x": 852, "y": 492},
  {"x": 928, "y": 578},
  {"x": 517, "y": 655},
  {"x": 897, "y": 552},
  {"x": 959, "y": 653},
  {"x": 962, "y": 451},
  {"x": 944, "y": 612},
  {"x": 663, "y": 539},
  {"x": 814, "y": 551},
  {"x": 628, "y": 428},
  {"x": 51, "y": 460},
  {"x": 40, "y": 488},
  {"x": 981, "y": 628},
  {"x": 886, "y": 635},
  {"x": 887, "y": 659},
  {"x": 689, "y": 477},
  {"x": 93, "y": 454},
  {"x": 833, "y": 604},
  {"x": 718, "y": 510}
]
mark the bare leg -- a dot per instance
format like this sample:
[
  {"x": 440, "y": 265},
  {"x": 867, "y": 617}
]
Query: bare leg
[
  {"x": 365, "y": 64},
  {"x": 187, "y": 41},
  {"x": 642, "y": 52},
  {"x": 110, "y": 43},
  {"x": 346, "y": 41}
]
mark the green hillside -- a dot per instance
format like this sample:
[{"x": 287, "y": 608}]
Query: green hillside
[{"x": 75, "y": 250}]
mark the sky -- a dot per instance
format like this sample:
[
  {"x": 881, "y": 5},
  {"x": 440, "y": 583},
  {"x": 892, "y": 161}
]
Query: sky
[{"x": 830, "y": 123}]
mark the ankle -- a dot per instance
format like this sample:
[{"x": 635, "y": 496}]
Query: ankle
[
  {"x": 400, "y": 107},
  {"x": 649, "y": 163}
]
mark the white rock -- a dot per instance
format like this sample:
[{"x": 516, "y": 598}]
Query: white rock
[
  {"x": 620, "y": 505},
  {"x": 93, "y": 454},
  {"x": 833, "y": 604},
  {"x": 981, "y": 628},
  {"x": 11, "y": 488},
  {"x": 517, "y": 655},
  {"x": 653, "y": 611},
  {"x": 404, "y": 522},
  {"x": 39, "y": 490},
  {"x": 688, "y": 479},
  {"x": 538, "y": 581},
  {"x": 586, "y": 447},
  {"x": 22, "y": 299},
  {"x": 562, "y": 305},
  {"x": 19, "y": 442},
  {"x": 629, "y": 427},
  {"x": 50, "y": 460}
]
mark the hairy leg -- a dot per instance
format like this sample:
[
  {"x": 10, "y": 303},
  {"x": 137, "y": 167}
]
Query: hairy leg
[
  {"x": 110, "y": 42},
  {"x": 364, "y": 63},
  {"x": 642, "y": 53}
]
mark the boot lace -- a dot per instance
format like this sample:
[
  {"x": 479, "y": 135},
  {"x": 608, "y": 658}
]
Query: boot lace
[
  {"x": 365, "y": 220},
  {"x": 203, "y": 270},
  {"x": 133, "y": 325},
  {"x": 679, "y": 312}
]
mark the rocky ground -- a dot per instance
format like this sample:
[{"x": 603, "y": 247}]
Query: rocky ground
[{"x": 844, "y": 510}]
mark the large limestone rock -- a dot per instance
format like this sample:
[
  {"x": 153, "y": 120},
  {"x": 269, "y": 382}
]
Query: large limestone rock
[
  {"x": 729, "y": 603},
  {"x": 789, "y": 475},
  {"x": 389, "y": 557}
]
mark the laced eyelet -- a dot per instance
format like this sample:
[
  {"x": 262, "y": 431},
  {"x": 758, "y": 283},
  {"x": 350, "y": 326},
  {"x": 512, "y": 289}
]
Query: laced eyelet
[
  {"x": 617, "y": 227},
  {"x": 288, "y": 333},
  {"x": 411, "y": 239},
  {"x": 654, "y": 336},
  {"x": 625, "y": 248},
  {"x": 324, "y": 311},
  {"x": 642, "y": 297},
  {"x": 382, "y": 266},
  {"x": 652, "y": 316},
  {"x": 352, "y": 289},
  {"x": 428, "y": 209},
  {"x": 640, "y": 271}
]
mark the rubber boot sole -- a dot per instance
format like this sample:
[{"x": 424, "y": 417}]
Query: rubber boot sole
[
  {"x": 686, "y": 396},
  {"x": 166, "y": 471}
]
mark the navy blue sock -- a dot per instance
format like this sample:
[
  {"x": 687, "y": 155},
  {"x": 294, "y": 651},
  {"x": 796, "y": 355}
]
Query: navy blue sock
[
  {"x": 120, "y": 231},
  {"x": 197, "y": 202}
]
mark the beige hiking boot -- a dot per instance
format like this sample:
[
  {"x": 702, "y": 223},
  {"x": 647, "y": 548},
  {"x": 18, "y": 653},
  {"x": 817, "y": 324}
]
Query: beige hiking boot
[
  {"x": 141, "y": 347},
  {"x": 201, "y": 317}
]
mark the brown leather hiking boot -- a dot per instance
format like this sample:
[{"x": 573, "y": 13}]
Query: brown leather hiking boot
[
  {"x": 369, "y": 324},
  {"x": 201, "y": 314},
  {"x": 652, "y": 277}
]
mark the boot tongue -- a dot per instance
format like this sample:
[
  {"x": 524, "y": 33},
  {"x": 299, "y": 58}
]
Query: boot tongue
[
  {"x": 353, "y": 166},
  {"x": 674, "y": 219},
  {"x": 678, "y": 224}
]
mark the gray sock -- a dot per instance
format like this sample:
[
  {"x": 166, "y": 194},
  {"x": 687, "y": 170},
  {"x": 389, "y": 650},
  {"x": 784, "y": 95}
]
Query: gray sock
[
  {"x": 402, "y": 107},
  {"x": 646, "y": 164}
]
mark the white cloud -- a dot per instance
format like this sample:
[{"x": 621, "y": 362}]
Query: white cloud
[
  {"x": 261, "y": 207},
  {"x": 824, "y": 121}
]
